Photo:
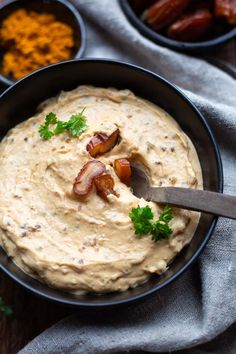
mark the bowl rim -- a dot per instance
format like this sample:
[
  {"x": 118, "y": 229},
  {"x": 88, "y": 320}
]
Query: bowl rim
[
  {"x": 80, "y": 22},
  {"x": 171, "y": 43},
  {"x": 134, "y": 298}
]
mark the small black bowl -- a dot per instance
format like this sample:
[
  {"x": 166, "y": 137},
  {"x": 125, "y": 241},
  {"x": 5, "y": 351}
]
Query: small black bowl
[
  {"x": 221, "y": 38},
  {"x": 19, "y": 102},
  {"x": 63, "y": 10}
]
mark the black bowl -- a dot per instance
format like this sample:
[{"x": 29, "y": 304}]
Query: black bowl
[
  {"x": 222, "y": 35},
  {"x": 20, "y": 101},
  {"x": 63, "y": 10}
]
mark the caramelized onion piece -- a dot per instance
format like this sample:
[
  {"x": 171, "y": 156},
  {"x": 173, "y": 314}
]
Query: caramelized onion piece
[
  {"x": 123, "y": 170},
  {"x": 84, "y": 181},
  {"x": 105, "y": 186},
  {"x": 101, "y": 143}
]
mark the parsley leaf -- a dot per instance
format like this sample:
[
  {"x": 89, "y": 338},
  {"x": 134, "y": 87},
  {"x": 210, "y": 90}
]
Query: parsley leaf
[
  {"x": 143, "y": 222},
  {"x": 61, "y": 126},
  {"x": 141, "y": 219},
  {"x": 75, "y": 126},
  {"x": 160, "y": 231},
  {"x": 51, "y": 119},
  {"x": 44, "y": 131},
  {"x": 167, "y": 215},
  {"x": 7, "y": 310}
]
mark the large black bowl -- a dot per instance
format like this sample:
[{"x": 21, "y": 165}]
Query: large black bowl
[
  {"x": 222, "y": 35},
  {"x": 20, "y": 101}
]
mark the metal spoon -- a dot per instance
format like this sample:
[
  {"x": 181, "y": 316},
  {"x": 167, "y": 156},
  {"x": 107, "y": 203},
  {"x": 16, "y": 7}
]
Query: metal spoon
[{"x": 186, "y": 198}]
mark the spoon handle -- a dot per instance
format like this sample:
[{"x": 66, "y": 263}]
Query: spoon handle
[{"x": 194, "y": 199}]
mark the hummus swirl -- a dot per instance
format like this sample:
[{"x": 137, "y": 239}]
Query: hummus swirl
[{"x": 90, "y": 246}]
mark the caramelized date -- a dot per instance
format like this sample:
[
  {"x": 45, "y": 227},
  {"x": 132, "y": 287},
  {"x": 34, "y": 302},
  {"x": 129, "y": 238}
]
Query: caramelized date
[
  {"x": 164, "y": 12},
  {"x": 123, "y": 170},
  {"x": 101, "y": 143},
  {"x": 222, "y": 8},
  {"x": 232, "y": 18},
  {"x": 226, "y": 9},
  {"x": 191, "y": 27},
  {"x": 105, "y": 186},
  {"x": 84, "y": 181}
]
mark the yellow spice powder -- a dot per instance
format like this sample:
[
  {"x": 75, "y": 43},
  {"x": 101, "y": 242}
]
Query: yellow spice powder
[{"x": 33, "y": 40}]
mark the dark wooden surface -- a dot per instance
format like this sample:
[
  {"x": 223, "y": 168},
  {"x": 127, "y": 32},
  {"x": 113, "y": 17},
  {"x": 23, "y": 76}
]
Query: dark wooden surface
[{"x": 31, "y": 314}]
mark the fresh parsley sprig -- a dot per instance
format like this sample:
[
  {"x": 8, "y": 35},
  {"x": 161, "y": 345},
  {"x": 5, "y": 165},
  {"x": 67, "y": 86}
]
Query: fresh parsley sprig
[
  {"x": 161, "y": 228},
  {"x": 5, "y": 309},
  {"x": 142, "y": 218},
  {"x": 75, "y": 126},
  {"x": 44, "y": 131}
]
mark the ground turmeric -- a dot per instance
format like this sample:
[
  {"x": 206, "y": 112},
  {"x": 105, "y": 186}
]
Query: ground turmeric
[{"x": 32, "y": 40}]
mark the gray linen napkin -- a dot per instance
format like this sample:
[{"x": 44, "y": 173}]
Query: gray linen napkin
[{"x": 202, "y": 303}]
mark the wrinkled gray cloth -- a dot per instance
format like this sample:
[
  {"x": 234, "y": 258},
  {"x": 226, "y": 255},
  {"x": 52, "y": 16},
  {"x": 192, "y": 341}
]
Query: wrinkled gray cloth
[{"x": 201, "y": 304}]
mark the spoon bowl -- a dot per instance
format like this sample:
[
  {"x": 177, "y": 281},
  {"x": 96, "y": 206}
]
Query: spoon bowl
[{"x": 186, "y": 198}]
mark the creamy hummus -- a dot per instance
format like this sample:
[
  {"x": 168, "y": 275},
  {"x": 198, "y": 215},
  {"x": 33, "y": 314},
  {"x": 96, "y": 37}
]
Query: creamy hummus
[{"x": 90, "y": 246}]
